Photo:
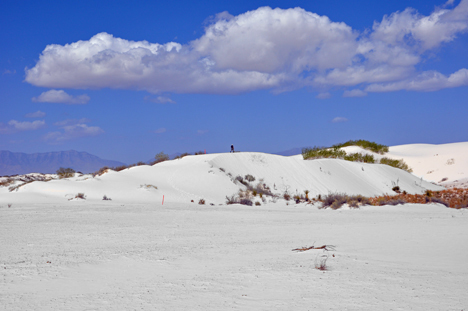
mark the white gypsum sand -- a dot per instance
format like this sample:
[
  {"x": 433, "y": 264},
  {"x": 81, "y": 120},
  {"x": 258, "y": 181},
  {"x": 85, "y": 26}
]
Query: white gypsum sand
[
  {"x": 59, "y": 252},
  {"x": 183, "y": 256}
]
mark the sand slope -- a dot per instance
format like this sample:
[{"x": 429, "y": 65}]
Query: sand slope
[{"x": 212, "y": 177}]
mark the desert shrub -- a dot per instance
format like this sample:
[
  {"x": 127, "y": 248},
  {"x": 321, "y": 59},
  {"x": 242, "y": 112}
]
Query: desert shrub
[
  {"x": 286, "y": 196},
  {"x": 201, "y": 202},
  {"x": 222, "y": 169},
  {"x": 396, "y": 189},
  {"x": 101, "y": 171},
  {"x": 80, "y": 196},
  {"x": 359, "y": 157},
  {"x": 396, "y": 163},
  {"x": 391, "y": 201},
  {"x": 428, "y": 193},
  {"x": 231, "y": 200},
  {"x": 365, "y": 144},
  {"x": 246, "y": 202},
  {"x": 249, "y": 178},
  {"x": 7, "y": 182},
  {"x": 182, "y": 155},
  {"x": 258, "y": 203},
  {"x": 320, "y": 262},
  {"x": 336, "y": 200},
  {"x": 120, "y": 168},
  {"x": 262, "y": 189},
  {"x": 241, "y": 180},
  {"x": 65, "y": 172},
  {"x": 106, "y": 198},
  {"x": 199, "y": 152},
  {"x": 140, "y": 163},
  {"x": 320, "y": 152},
  {"x": 331, "y": 198},
  {"x": 254, "y": 193}
]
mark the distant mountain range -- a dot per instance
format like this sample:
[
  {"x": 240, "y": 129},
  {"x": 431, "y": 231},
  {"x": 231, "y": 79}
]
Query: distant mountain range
[{"x": 13, "y": 163}]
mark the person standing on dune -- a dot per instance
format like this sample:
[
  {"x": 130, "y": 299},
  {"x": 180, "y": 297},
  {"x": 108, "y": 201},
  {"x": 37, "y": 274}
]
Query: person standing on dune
[{"x": 232, "y": 149}]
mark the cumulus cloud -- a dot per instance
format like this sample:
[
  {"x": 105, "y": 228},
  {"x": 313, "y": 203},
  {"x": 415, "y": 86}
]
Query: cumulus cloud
[
  {"x": 354, "y": 93},
  {"x": 27, "y": 126},
  {"x": 276, "y": 49},
  {"x": 37, "y": 114},
  {"x": 60, "y": 96},
  {"x": 339, "y": 120},
  {"x": 71, "y": 129}
]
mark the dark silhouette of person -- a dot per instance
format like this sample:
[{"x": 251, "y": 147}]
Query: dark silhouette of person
[{"x": 232, "y": 149}]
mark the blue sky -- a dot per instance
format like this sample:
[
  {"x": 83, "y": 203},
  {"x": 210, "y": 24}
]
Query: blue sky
[{"x": 125, "y": 80}]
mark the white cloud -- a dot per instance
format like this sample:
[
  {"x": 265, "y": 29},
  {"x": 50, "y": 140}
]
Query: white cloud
[
  {"x": 274, "y": 49},
  {"x": 60, "y": 96},
  {"x": 160, "y": 130},
  {"x": 71, "y": 129},
  {"x": 339, "y": 120},
  {"x": 160, "y": 100},
  {"x": 37, "y": 114},
  {"x": 324, "y": 95},
  {"x": 69, "y": 122},
  {"x": 426, "y": 81},
  {"x": 354, "y": 93},
  {"x": 27, "y": 126}
]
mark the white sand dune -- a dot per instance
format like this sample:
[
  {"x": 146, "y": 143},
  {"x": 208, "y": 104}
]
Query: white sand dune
[
  {"x": 212, "y": 177},
  {"x": 135, "y": 253}
]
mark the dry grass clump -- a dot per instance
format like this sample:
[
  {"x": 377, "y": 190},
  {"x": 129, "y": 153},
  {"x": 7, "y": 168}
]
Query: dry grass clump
[
  {"x": 337, "y": 200},
  {"x": 453, "y": 198},
  {"x": 6, "y": 182}
]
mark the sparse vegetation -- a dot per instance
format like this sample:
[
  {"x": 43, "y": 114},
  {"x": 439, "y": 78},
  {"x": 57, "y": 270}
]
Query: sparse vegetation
[
  {"x": 335, "y": 152},
  {"x": 336, "y": 200},
  {"x": 160, "y": 157},
  {"x": 101, "y": 171},
  {"x": 65, "y": 172},
  {"x": 365, "y": 144},
  {"x": 322, "y": 152},
  {"x": 249, "y": 178},
  {"x": 321, "y": 262},
  {"x": 106, "y": 198},
  {"x": 246, "y": 202},
  {"x": 7, "y": 182},
  {"x": 359, "y": 157},
  {"x": 80, "y": 196},
  {"x": 258, "y": 203},
  {"x": 396, "y": 163},
  {"x": 201, "y": 202}
]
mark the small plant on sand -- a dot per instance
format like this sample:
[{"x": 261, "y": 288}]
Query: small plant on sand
[
  {"x": 321, "y": 262},
  {"x": 396, "y": 189},
  {"x": 201, "y": 202},
  {"x": 9, "y": 205},
  {"x": 287, "y": 196},
  {"x": 231, "y": 200},
  {"x": 249, "y": 178},
  {"x": 258, "y": 203},
  {"x": 246, "y": 202},
  {"x": 65, "y": 172},
  {"x": 106, "y": 198},
  {"x": 80, "y": 196}
]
